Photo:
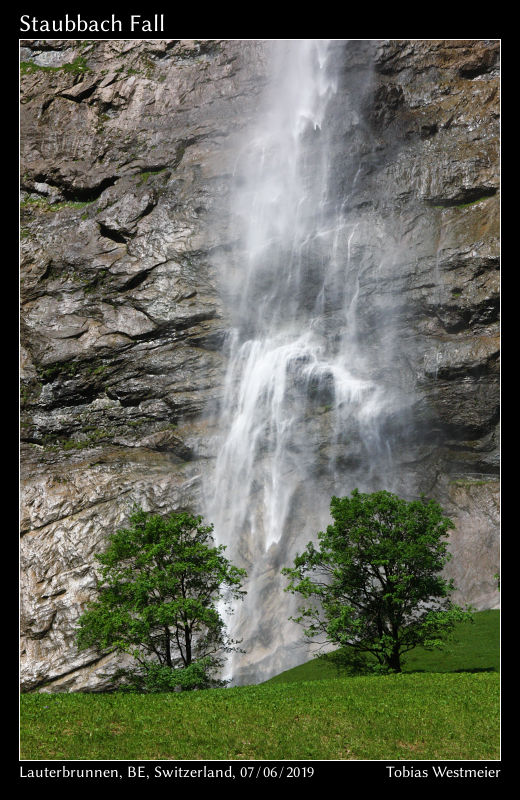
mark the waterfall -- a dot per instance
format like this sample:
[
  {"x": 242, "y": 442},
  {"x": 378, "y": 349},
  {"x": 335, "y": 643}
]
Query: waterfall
[{"x": 303, "y": 402}]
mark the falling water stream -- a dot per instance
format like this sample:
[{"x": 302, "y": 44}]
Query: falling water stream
[{"x": 301, "y": 409}]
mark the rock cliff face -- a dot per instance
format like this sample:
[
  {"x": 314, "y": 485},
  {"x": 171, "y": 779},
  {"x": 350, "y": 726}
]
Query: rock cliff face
[{"x": 128, "y": 148}]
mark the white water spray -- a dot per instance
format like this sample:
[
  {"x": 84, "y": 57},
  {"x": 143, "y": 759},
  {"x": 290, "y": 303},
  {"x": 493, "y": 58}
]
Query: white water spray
[{"x": 298, "y": 388}]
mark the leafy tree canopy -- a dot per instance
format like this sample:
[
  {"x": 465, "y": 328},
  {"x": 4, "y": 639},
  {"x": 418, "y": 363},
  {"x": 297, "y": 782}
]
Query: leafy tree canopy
[
  {"x": 162, "y": 584},
  {"x": 374, "y": 585}
]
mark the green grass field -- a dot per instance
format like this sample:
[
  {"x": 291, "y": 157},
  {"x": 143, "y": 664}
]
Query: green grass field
[
  {"x": 475, "y": 648},
  {"x": 415, "y": 715}
]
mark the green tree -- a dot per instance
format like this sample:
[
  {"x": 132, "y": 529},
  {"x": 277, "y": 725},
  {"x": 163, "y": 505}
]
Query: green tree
[
  {"x": 374, "y": 587},
  {"x": 161, "y": 581}
]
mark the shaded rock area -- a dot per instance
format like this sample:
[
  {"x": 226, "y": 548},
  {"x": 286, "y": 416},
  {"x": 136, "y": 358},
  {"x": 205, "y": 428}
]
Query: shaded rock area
[
  {"x": 444, "y": 177},
  {"x": 127, "y": 152}
]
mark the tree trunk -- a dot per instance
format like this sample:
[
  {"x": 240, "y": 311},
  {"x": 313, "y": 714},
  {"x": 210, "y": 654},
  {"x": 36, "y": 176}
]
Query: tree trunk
[
  {"x": 187, "y": 640},
  {"x": 394, "y": 660}
]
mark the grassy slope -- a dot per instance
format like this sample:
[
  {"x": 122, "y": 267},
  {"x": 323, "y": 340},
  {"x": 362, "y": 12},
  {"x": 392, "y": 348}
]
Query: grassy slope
[
  {"x": 421, "y": 715},
  {"x": 475, "y": 648}
]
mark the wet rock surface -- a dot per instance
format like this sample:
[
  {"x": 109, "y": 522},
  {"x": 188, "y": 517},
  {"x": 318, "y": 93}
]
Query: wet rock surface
[{"x": 127, "y": 152}]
